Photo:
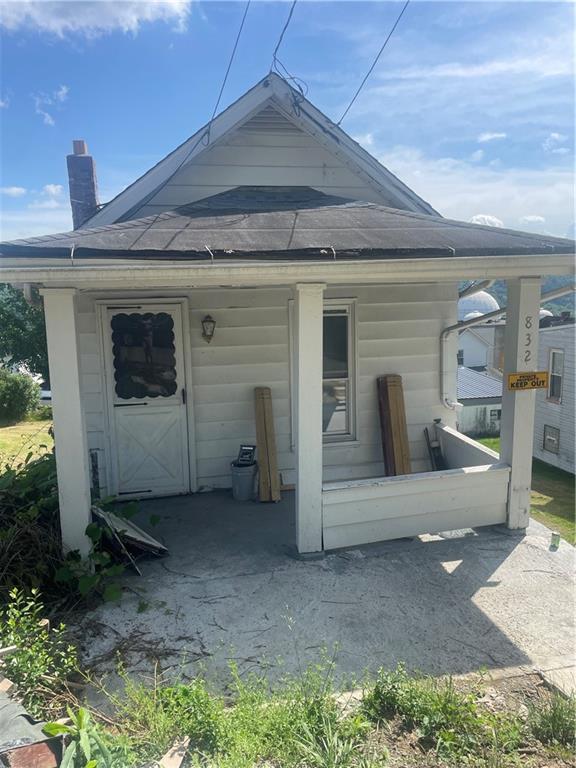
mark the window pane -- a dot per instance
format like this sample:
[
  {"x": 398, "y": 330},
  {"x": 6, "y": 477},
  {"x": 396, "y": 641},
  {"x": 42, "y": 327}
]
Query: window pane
[
  {"x": 144, "y": 359},
  {"x": 335, "y": 407},
  {"x": 335, "y": 346},
  {"x": 557, "y": 363},
  {"x": 555, "y": 391},
  {"x": 551, "y": 439}
]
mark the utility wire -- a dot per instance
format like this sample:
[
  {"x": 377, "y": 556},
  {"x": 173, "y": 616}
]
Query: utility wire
[
  {"x": 230, "y": 62},
  {"x": 281, "y": 38},
  {"x": 384, "y": 44},
  {"x": 205, "y": 136}
]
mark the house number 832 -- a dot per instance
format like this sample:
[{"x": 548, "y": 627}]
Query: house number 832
[{"x": 528, "y": 339}]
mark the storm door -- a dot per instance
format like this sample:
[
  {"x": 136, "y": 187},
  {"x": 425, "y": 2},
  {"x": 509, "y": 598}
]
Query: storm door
[{"x": 148, "y": 400}]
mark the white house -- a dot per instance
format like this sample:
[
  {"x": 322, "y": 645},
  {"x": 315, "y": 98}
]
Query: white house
[
  {"x": 554, "y": 431},
  {"x": 322, "y": 271},
  {"x": 481, "y": 346},
  {"x": 480, "y": 395}
]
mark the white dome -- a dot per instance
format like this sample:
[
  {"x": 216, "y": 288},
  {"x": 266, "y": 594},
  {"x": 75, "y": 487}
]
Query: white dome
[
  {"x": 545, "y": 313},
  {"x": 472, "y": 315},
  {"x": 480, "y": 302}
]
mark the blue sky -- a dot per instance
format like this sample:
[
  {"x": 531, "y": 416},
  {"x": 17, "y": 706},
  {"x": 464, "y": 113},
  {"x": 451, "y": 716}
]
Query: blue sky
[{"x": 471, "y": 104}]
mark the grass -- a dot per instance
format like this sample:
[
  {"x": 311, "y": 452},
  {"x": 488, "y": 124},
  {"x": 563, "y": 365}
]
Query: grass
[
  {"x": 552, "y": 495},
  {"x": 18, "y": 440}
]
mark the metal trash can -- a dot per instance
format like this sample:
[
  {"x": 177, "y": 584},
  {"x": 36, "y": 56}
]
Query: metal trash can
[{"x": 243, "y": 481}]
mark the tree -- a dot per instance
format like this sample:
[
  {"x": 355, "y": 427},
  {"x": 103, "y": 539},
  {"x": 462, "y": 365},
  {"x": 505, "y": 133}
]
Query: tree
[{"x": 22, "y": 331}]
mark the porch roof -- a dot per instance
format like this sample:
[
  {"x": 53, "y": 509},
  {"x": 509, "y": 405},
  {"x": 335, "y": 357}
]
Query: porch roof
[{"x": 284, "y": 223}]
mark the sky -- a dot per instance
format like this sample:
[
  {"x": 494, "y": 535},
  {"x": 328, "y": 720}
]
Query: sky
[{"x": 471, "y": 103}]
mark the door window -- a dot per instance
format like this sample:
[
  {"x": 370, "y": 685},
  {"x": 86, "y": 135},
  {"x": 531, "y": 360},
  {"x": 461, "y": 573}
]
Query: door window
[{"x": 144, "y": 356}]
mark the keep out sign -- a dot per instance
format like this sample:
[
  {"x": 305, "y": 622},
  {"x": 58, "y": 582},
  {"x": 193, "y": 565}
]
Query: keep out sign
[{"x": 528, "y": 380}]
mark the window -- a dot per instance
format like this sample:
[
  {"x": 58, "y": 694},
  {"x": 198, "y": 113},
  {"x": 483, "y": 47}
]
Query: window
[
  {"x": 495, "y": 415},
  {"x": 460, "y": 358},
  {"x": 143, "y": 355},
  {"x": 551, "y": 439},
  {"x": 556, "y": 371},
  {"x": 338, "y": 391}
]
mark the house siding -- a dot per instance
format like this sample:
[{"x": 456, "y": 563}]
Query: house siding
[
  {"x": 557, "y": 415},
  {"x": 263, "y": 152},
  {"x": 398, "y": 327}
]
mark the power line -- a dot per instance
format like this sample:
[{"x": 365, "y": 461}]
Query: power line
[
  {"x": 230, "y": 62},
  {"x": 281, "y": 38},
  {"x": 384, "y": 44}
]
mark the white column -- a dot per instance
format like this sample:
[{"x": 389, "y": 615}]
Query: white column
[
  {"x": 308, "y": 316},
  {"x": 69, "y": 427},
  {"x": 517, "y": 426}
]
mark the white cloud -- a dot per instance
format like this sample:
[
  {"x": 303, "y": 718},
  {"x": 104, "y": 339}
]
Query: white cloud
[
  {"x": 477, "y": 155},
  {"x": 365, "y": 139},
  {"x": 460, "y": 189},
  {"x": 552, "y": 141},
  {"x": 484, "y": 137},
  {"x": 43, "y": 100},
  {"x": 487, "y": 220},
  {"x": 93, "y": 17},
  {"x": 13, "y": 191},
  {"x": 4, "y": 103},
  {"x": 532, "y": 219},
  {"x": 34, "y": 222},
  {"x": 52, "y": 190}
]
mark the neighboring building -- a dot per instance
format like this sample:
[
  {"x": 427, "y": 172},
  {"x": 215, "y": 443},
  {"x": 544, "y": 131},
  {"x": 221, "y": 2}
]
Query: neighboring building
[
  {"x": 554, "y": 433},
  {"x": 312, "y": 270},
  {"x": 480, "y": 395},
  {"x": 481, "y": 346}
]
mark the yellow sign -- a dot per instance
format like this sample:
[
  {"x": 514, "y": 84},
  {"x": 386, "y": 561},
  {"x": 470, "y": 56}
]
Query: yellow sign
[{"x": 528, "y": 380}]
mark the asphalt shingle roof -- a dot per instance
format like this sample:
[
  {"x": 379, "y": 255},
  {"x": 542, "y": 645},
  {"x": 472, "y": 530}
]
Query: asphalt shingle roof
[{"x": 274, "y": 223}]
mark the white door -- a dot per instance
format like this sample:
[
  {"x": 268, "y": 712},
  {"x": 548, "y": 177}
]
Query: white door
[{"x": 148, "y": 400}]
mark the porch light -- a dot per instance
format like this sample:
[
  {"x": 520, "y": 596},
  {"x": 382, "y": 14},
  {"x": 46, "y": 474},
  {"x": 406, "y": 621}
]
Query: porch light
[{"x": 208, "y": 327}]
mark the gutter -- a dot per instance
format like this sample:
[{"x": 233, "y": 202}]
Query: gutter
[
  {"x": 454, "y": 405},
  {"x": 476, "y": 288}
]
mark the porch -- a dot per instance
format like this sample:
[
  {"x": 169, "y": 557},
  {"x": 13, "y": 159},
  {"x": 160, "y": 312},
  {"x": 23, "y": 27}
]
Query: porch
[{"x": 232, "y": 590}]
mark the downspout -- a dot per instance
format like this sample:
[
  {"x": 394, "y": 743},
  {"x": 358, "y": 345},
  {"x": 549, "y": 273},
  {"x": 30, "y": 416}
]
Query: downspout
[{"x": 454, "y": 405}]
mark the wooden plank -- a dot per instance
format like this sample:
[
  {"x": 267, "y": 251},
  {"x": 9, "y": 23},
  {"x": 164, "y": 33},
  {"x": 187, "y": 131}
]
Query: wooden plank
[
  {"x": 393, "y": 426},
  {"x": 42, "y": 754},
  {"x": 271, "y": 445},
  {"x": 264, "y": 485}
]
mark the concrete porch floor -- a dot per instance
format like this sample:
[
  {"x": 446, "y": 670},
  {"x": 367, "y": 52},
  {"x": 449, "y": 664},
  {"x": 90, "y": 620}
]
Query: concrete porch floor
[{"x": 232, "y": 590}]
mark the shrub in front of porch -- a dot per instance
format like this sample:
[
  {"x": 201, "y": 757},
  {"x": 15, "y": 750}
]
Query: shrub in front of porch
[{"x": 19, "y": 396}]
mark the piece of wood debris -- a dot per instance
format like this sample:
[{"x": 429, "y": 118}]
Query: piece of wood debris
[{"x": 175, "y": 755}]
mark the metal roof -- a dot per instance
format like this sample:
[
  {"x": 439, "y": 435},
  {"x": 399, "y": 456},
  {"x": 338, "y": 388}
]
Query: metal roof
[
  {"x": 474, "y": 385},
  {"x": 275, "y": 223}
]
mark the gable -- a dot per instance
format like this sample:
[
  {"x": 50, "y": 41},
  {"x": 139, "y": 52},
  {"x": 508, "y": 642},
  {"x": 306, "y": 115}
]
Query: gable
[{"x": 271, "y": 136}]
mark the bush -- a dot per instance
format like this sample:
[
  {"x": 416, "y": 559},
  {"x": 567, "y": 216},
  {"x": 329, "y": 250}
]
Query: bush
[
  {"x": 43, "y": 660},
  {"x": 30, "y": 545},
  {"x": 19, "y": 396}
]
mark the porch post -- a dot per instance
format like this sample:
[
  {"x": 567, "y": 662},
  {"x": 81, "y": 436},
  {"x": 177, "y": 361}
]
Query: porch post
[
  {"x": 69, "y": 427},
  {"x": 308, "y": 315},
  {"x": 517, "y": 426}
]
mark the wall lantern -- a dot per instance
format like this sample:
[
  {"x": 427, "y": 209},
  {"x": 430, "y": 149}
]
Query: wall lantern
[{"x": 208, "y": 327}]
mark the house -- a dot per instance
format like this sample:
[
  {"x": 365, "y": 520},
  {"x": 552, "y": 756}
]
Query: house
[
  {"x": 309, "y": 268},
  {"x": 480, "y": 394},
  {"x": 481, "y": 346},
  {"x": 554, "y": 432}
]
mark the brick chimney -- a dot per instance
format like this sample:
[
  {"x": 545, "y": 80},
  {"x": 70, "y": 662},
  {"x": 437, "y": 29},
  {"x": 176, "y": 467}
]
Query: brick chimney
[{"x": 82, "y": 182}]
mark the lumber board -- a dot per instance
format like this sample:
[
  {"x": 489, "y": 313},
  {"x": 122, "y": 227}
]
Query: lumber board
[
  {"x": 269, "y": 476},
  {"x": 393, "y": 426}
]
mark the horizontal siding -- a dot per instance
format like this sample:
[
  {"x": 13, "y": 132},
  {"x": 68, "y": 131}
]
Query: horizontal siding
[
  {"x": 397, "y": 332},
  {"x": 393, "y": 508},
  {"x": 561, "y": 416},
  {"x": 264, "y": 154}
]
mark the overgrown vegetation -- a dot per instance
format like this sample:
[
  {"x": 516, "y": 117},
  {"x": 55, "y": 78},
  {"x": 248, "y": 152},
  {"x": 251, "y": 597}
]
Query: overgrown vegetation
[
  {"x": 22, "y": 331},
  {"x": 42, "y": 661},
  {"x": 19, "y": 396}
]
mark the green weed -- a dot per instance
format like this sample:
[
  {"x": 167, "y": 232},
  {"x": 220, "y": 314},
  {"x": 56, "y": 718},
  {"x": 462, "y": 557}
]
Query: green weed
[{"x": 553, "y": 722}]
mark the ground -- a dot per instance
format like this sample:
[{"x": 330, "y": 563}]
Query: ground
[
  {"x": 552, "y": 495},
  {"x": 232, "y": 589},
  {"x": 17, "y": 441}
]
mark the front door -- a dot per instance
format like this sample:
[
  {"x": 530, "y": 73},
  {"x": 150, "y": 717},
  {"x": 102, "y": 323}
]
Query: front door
[{"x": 148, "y": 400}]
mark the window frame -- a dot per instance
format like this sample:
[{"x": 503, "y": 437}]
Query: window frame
[
  {"x": 351, "y": 436},
  {"x": 555, "y": 438},
  {"x": 551, "y": 398}
]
